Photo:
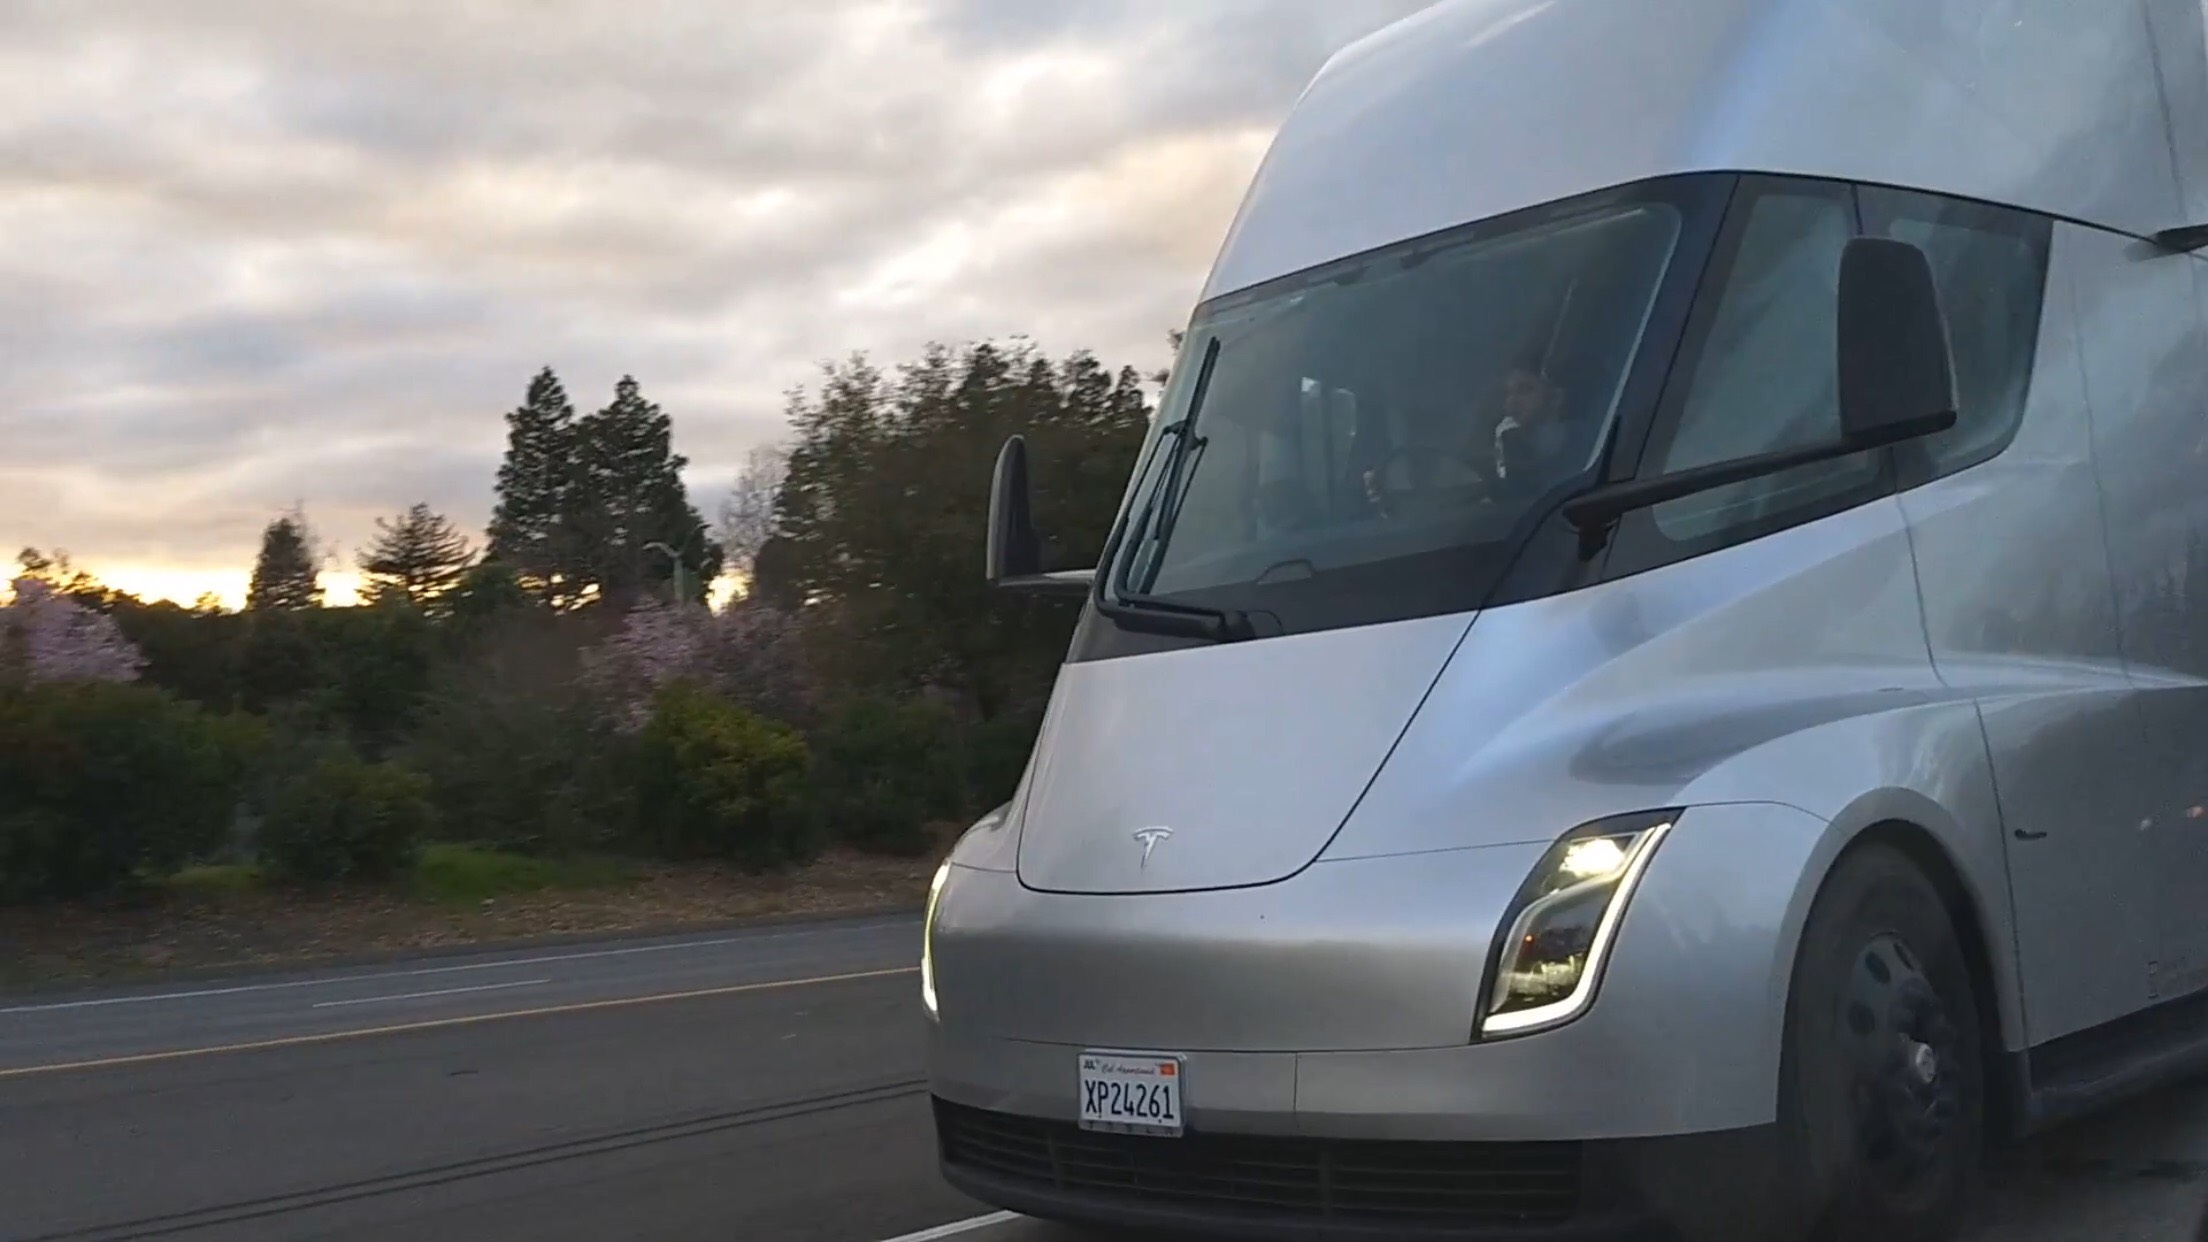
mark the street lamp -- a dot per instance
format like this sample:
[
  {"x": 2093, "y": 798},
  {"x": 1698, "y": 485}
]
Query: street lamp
[{"x": 675, "y": 566}]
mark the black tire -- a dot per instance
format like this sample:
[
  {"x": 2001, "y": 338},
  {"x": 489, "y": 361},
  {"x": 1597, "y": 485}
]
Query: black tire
[{"x": 1881, "y": 1143}]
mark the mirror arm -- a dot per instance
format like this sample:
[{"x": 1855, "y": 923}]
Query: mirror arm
[
  {"x": 1594, "y": 513},
  {"x": 1068, "y": 582}
]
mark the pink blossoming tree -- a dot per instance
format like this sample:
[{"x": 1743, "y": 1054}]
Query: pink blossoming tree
[
  {"x": 45, "y": 636},
  {"x": 749, "y": 653}
]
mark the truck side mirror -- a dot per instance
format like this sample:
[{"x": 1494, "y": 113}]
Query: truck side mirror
[
  {"x": 1895, "y": 365},
  {"x": 1015, "y": 549}
]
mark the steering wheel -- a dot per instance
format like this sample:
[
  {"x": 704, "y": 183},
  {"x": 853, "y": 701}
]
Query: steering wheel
[{"x": 1390, "y": 500}]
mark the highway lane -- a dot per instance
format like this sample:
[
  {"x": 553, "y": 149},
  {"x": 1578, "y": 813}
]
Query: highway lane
[
  {"x": 69, "y": 1028},
  {"x": 761, "y": 1084}
]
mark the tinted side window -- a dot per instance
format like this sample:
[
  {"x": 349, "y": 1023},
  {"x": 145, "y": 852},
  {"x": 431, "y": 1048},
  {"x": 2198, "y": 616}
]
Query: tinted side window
[
  {"x": 1758, "y": 373},
  {"x": 1990, "y": 265}
]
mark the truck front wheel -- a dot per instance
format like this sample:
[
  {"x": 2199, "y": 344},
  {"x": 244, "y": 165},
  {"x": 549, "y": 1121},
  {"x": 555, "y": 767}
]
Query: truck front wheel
[{"x": 1882, "y": 1083}]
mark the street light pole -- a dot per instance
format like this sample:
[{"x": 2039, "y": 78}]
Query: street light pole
[
  {"x": 674, "y": 564},
  {"x": 676, "y": 568}
]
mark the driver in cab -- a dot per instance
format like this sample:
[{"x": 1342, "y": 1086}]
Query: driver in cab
[
  {"x": 1520, "y": 445},
  {"x": 1532, "y": 442}
]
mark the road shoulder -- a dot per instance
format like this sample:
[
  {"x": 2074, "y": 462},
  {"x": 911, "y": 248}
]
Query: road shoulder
[{"x": 64, "y": 985}]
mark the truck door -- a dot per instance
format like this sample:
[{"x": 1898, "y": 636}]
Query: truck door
[
  {"x": 2140, "y": 322},
  {"x": 2013, "y": 568}
]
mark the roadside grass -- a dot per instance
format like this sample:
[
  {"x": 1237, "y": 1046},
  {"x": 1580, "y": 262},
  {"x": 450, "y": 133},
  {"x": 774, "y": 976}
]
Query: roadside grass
[
  {"x": 215, "y": 880},
  {"x": 445, "y": 873},
  {"x": 224, "y": 917},
  {"x": 467, "y": 873}
]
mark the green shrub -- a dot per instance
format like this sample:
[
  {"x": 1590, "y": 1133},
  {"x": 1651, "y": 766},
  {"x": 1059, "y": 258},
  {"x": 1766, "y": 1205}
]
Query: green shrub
[
  {"x": 716, "y": 781},
  {"x": 41, "y": 856},
  {"x": 104, "y": 784},
  {"x": 516, "y": 757},
  {"x": 888, "y": 768},
  {"x": 346, "y": 819},
  {"x": 214, "y": 880},
  {"x": 467, "y": 873}
]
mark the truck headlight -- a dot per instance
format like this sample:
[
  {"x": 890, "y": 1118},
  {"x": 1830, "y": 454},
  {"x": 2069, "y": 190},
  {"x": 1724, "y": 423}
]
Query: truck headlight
[
  {"x": 927, "y": 938},
  {"x": 1559, "y": 927}
]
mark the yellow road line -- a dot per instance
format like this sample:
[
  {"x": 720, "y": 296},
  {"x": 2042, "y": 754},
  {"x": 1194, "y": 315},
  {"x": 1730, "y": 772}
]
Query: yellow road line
[{"x": 327, "y": 1037}]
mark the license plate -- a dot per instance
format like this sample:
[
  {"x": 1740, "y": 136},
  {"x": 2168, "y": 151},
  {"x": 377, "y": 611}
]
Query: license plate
[{"x": 1128, "y": 1093}]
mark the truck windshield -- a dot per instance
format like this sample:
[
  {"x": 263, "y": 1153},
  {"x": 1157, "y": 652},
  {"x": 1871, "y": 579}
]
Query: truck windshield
[{"x": 1368, "y": 437}]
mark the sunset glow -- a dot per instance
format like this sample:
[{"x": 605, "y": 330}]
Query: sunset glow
[{"x": 269, "y": 259}]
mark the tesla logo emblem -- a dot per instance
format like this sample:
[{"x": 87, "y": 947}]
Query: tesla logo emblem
[{"x": 1150, "y": 838}]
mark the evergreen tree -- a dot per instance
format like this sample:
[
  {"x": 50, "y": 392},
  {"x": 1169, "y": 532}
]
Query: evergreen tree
[
  {"x": 774, "y": 576},
  {"x": 487, "y": 590},
  {"x": 419, "y": 559},
  {"x": 288, "y": 574},
  {"x": 628, "y": 508},
  {"x": 881, "y": 519},
  {"x": 528, "y": 531}
]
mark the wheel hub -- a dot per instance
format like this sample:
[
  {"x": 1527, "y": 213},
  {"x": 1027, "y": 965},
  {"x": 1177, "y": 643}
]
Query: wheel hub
[
  {"x": 1901, "y": 1047},
  {"x": 1924, "y": 1062}
]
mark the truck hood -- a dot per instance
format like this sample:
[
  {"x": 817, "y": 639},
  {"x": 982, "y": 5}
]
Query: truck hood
[{"x": 1218, "y": 767}]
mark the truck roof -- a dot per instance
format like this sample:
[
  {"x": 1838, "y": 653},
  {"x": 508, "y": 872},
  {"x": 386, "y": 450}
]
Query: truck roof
[{"x": 2091, "y": 110}]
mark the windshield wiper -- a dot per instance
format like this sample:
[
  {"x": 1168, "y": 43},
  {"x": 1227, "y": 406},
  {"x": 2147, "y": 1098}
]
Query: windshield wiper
[
  {"x": 1160, "y": 616},
  {"x": 1165, "y": 502},
  {"x": 1137, "y": 610}
]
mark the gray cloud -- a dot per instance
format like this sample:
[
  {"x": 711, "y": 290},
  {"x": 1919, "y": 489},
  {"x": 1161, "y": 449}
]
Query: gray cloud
[{"x": 255, "y": 254}]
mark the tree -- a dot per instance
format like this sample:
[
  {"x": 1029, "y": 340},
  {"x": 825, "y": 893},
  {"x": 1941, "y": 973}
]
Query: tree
[
  {"x": 193, "y": 653},
  {"x": 657, "y": 643},
  {"x": 747, "y": 513},
  {"x": 750, "y": 654},
  {"x": 45, "y": 636},
  {"x": 418, "y": 559},
  {"x": 629, "y": 510},
  {"x": 1174, "y": 339},
  {"x": 288, "y": 574},
  {"x": 775, "y": 576},
  {"x": 57, "y": 571},
  {"x": 881, "y": 522},
  {"x": 529, "y": 532},
  {"x": 488, "y": 590}
]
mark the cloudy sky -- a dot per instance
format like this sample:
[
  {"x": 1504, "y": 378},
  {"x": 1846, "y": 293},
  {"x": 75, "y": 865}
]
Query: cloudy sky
[{"x": 255, "y": 253}]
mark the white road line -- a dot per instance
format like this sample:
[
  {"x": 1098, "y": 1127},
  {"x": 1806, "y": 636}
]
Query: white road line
[
  {"x": 718, "y": 942},
  {"x": 955, "y": 1228},
  {"x": 487, "y": 987},
  {"x": 444, "y": 1024}
]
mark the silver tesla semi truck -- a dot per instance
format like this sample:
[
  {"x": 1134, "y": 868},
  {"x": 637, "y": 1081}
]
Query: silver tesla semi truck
[{"x": 1647, "y": 675}]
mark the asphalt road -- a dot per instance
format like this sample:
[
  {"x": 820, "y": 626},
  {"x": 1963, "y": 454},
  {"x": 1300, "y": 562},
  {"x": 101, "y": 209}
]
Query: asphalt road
[{"x": 758, "y": 1085}]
